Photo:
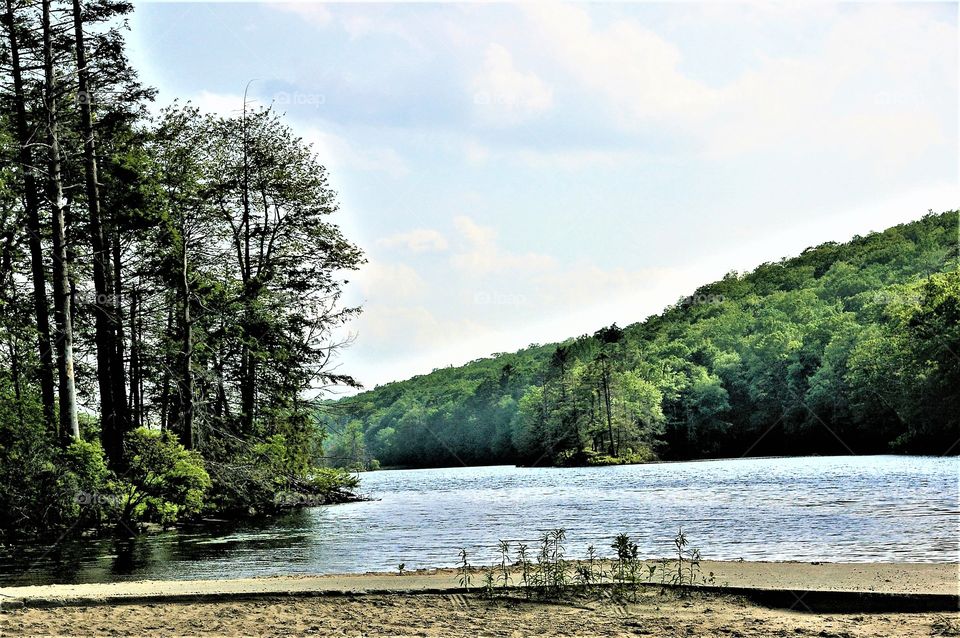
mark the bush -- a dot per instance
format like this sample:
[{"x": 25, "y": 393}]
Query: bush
[
  {"x": 86, "y": 483},
  {"x": 270, "y": 476},
  {"x": 164, "y": 482},
  {"x": 643, "y": 455}
]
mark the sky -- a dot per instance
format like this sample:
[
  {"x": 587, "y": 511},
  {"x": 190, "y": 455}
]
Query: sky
[{"x": 524, "y": 173}]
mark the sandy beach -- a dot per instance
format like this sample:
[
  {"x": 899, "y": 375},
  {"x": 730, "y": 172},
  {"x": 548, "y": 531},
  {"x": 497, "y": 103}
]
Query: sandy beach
[
  {"x": 429, "y": 603},
  {"x": 455, "y": 616}
]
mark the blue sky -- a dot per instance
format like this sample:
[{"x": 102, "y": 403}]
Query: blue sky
[{"x": 523, "y": 173}]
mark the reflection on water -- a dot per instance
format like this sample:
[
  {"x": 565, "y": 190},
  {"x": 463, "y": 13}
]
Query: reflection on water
[{"x": 857, "y": 509}]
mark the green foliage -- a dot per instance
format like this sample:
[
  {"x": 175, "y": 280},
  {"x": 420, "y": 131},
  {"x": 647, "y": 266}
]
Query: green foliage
[
  {"x": 348, "y": 448},
  {"x": 845, "y": 348},
  {"x": 270, "y": 475},
  {"x": 552, "y": 573},
  {"x": 463, "y": 570},
  {"x": 204, "y": 292},
  {"x": 164, "y": 481}
]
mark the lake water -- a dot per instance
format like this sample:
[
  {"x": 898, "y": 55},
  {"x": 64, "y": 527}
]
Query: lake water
[{"x": 842, "y": 509}]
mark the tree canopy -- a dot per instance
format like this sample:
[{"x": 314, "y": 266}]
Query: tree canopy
[{"x": 170, "y": 289}]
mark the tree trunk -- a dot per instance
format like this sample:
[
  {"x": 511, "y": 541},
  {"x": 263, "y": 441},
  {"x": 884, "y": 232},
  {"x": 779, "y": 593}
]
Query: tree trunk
[
  {"x": 248, "y": 365},
  {"x": 112, "y": 427},
  {"x": 165, "y": 385},
  {"x": 61, "y": 270},
  {"x": 135, "y": 404},
  {"x": 186, "y": 401},
  {"x": 32, "y": 209},
  {"x": 117, "y": 369}
]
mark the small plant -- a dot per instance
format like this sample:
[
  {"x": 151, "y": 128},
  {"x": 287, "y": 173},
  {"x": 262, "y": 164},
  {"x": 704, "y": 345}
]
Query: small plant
[
  {"x": 463, "y": 570},
  {"x": 679, "y": 541},
  {"x": 688, "y": 564},
  {"x": 489, "y": 584},
  {"x": 586, "y": 572},
  {"x": 401, "y": 568},
  {"x": 591, "y": 562},
  {"x": 550, "y": 575},
  {"x": 504, "y": 547},
  {"x": 558, "y": 574},
  {"x": 626, "y": 564},
  {"x": 651, "y": 570},
  {"x": 694, "y": 565},
  {"x": 525, "y": 575},
  {"x": 582, "y": 575}
]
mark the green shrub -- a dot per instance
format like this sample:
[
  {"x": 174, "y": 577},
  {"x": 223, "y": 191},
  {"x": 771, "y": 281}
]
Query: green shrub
[
  {"x": 643, "y": 455},
  {"x": 86, "y": 484},
  {"x": 164, "y": 482},
  {"x": 271, "y": 475}
]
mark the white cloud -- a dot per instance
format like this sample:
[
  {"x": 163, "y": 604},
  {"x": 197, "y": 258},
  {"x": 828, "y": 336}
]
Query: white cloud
[
  {"x": 222, "y": 104},
  {"x": 560, "y": 159},
  {"x": 389, "y": 281},
  {"x": 338, "y": 152},
  {"x": 573, "y": 159},
  {"x": 480, "y": 254},
  {"x": 862, "y": 93},
  {"x": 859, "y": 85},
  {"x": 628, "y": 65},
  {"x": 504, "y": 95},
  {"x": 416, "y": 241},
  {"x": 315, "y": 13}
]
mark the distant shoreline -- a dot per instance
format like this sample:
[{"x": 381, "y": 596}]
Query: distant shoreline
[{"x": 659, "y": 462}]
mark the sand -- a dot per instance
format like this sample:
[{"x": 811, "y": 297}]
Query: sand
[
  {"x": 456, "y": 615},
  {"x": 428, "y": 604},
  {"x": 909, "y": 578}
]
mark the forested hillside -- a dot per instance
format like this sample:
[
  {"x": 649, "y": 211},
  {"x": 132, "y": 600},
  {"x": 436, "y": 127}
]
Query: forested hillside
[{"x": 846, "y": 348}]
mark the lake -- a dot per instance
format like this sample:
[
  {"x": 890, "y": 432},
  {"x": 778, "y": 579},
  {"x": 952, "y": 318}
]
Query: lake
[{"x": 840, "y": 509}]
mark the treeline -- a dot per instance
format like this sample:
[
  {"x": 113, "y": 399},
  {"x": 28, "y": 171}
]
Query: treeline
[
  {"x": 169, "y": 287},
  {"x": 847, "y": 348}
]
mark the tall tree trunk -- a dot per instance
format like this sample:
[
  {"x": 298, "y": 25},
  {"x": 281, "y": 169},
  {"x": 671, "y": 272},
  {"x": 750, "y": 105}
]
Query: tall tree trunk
[
  {"x": 61, "y": 269},
  {"x": 112, "y": 427},
  {"x": 186, "y": 400},
  {"x": 40, "y": 304},
  {"x": 135, "y": 405},
  {"x": 117, "y": 369},
  {"x": 165, "y": 385},
  {"x": 247, "y": 359}
]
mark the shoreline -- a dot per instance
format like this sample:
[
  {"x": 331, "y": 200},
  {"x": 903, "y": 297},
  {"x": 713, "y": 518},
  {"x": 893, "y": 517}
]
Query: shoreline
[
  {"x": 394, "y": 468},
  {"x": 430, "y": 604},
  {"x": 886, "y": 579}
]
